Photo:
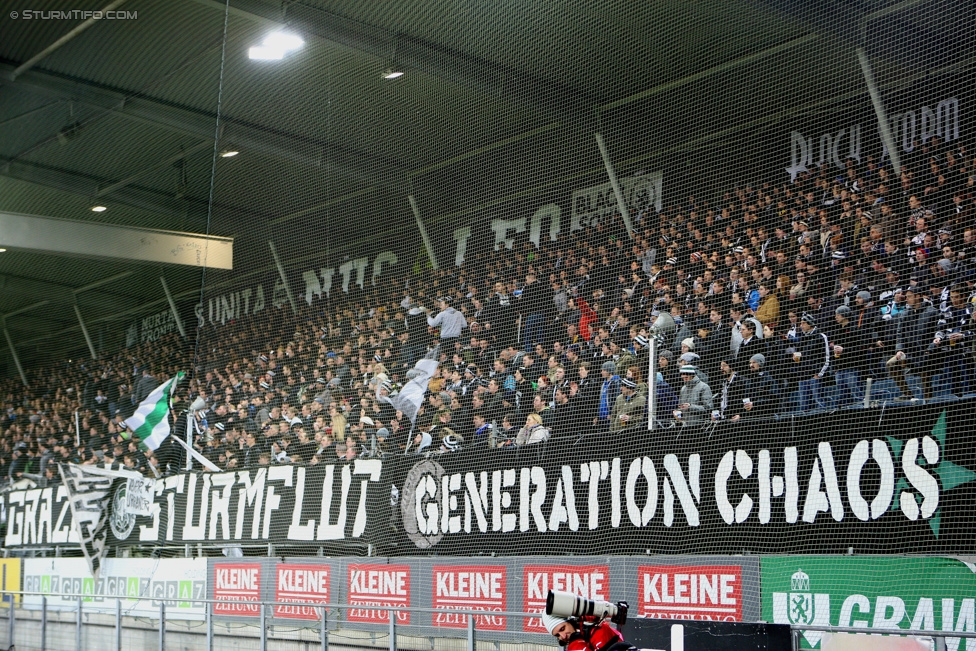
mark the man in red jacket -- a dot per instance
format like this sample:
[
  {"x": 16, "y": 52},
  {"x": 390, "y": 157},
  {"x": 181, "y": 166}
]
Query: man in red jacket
[{"x": 585, "y": 634}]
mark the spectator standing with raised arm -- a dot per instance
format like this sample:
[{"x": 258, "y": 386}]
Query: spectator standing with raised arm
[{"x": 450, "y": 321}]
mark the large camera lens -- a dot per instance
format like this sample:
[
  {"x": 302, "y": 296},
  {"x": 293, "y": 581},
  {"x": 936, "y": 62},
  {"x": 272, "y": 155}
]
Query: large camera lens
[{"x": 567, "y": 604}]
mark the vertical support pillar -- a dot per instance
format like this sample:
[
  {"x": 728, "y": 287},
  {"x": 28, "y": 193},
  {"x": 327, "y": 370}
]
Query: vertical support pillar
[
  {"x": 264, "y": 628},
  {"x": 617, "y": 191},
  {"x": 172, "y": 307},
  {"x": 393, "y": 615},
  {"x": 13, "y": 353},
  {"x": 651, "y": 380},
  {"x": 43, "y": 623},
  {"x": 10, "y": 622},
  {"x": 209, "y": 616},
  {"x": 423, "y": 232},
  {"x": 78, "y": 627},
  {"x": 84, "y": 331},
  {"x": 471, "y": 638},
  {"x": 879, "y": 111},
  {"x": 118, "y": 625},
  {"x": 284, "y": 277},
  {"x": 324, "y": 630},
  {"x": 162, "y": 626}
]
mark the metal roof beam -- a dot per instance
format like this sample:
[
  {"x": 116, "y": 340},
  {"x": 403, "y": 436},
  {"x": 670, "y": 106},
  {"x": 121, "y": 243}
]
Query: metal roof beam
[
  {"x": 118, "y": 185},
  {"x": 95, "y": 240},
  {"x": 200, "y": 124},
  {"x": 57, "y": 294},
  {"x": 86, "y": 186}
]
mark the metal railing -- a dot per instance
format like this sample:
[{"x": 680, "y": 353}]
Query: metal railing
[
  {"x": 51, "y": 623},
  {"x": 939, "y": 637}
]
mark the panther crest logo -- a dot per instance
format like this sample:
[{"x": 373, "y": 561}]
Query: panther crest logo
[{"x": 121, "y": 521}]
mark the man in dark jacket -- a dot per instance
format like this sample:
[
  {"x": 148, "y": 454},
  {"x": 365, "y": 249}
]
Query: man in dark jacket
[
  {"x": 587, "y": 395},
  {"x": 814, "y": 360},
  {"x": 535, "y": 298},
  {"x": 762, "y": 390},
  {"x": 850, "y": 356},
  {"x": 418, "y": 336},
  {"x": 143, "y": 387},
  {"x": 730, "y": 405},
  {"x": 916, "y": 328}
]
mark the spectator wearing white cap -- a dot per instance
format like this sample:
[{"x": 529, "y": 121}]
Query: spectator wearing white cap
[
  {"x": 628, "y": 409},
  {"x": 813, "y": 356},
  {"x": 695, "y": 398}
]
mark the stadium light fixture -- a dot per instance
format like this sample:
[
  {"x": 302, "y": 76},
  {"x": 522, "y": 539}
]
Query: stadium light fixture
[
  {"x": 392, "y": 73},
  {"x": 229, "y": 153},
  {"x": 275, "y": 46},
  {"x": 98, "y": 208},
  {"x": 2, "y": 250}
]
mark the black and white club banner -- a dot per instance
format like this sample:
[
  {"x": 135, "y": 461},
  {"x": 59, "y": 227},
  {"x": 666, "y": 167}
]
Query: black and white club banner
[{"x": 873, "y": 481}]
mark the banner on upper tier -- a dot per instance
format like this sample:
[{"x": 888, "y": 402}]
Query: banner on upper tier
[{"x": 874, "y": 481}]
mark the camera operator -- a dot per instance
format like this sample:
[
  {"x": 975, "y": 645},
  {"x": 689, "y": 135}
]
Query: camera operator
[
  {"x": 585, "y": 632},
  {"x": 578, "y": 634}
]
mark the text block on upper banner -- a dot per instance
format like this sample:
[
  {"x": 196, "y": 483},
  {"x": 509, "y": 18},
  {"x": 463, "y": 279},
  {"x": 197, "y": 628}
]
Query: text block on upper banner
[{"x": 50, "y": 235}]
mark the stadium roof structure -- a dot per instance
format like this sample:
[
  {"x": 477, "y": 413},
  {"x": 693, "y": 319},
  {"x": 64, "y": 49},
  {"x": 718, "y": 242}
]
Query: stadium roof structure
[{"x": 125, "y": 113}]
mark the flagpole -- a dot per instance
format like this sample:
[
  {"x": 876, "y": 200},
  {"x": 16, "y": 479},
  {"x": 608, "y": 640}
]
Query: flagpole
[
  {"x": 191, "y": 422},
  {"x": 77, "y": 431}
]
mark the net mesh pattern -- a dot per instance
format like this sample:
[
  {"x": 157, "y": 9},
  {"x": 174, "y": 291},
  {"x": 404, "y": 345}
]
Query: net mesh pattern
[{"x": 594, "y": 280}]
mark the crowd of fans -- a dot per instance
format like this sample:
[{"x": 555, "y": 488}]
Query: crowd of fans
[{"x": 759, "y": 303}]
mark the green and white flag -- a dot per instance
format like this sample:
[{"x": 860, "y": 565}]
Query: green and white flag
[{"x": 150, "y": 423}]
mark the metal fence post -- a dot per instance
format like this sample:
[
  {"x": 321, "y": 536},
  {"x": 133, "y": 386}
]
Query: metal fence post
[
  {"x": 209, "y": 609},
  {"x": 392, "y": 630},
  {"x": 324, "y": 631},
  {"x": 43, "y": 623},
  {"x": 162, "y": 626},
  {"x": 264, "y": 630},
  {"x": 78, "y": 628},
  {"x": 10, "y": 627},
  {"x": 118, "y": 625},
  {"x": 471, "y": 640},
  {"x": 795, "y": 637},
  {"x": 940, "y": 644}
]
